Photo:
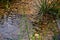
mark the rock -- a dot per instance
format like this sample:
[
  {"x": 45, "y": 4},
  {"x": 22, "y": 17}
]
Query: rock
[{"x": 14, "y": 31}]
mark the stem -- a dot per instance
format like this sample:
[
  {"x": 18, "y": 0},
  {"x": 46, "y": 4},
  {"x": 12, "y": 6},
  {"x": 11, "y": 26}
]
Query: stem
[
  {"x": 24, "y": 18},
  {"x": 27, "y": 28}
]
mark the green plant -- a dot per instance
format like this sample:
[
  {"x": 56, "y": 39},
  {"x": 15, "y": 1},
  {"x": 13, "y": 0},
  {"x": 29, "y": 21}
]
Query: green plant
[
  {"x": 5, "y": 3},
  {"x": 48, "y": 11},
  {"x": 48, "y": 7}
]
